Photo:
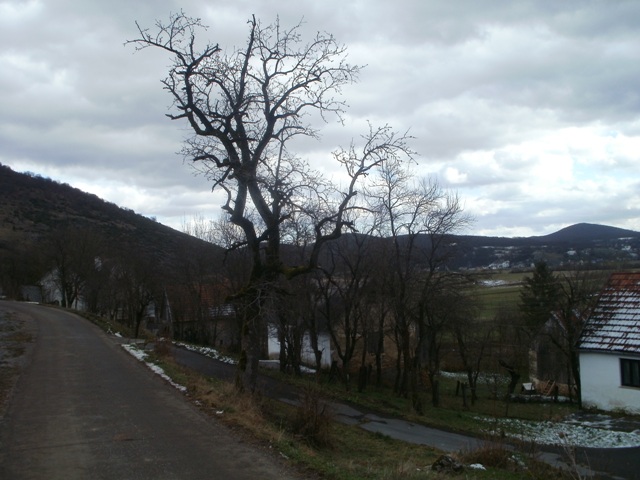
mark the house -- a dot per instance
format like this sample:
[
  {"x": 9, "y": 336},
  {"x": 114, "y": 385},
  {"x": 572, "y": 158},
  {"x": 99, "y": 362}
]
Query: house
[
  {"x": 307, "y": 354},
  {"x": 610, "y": 347},
  {"x": 200, "y": 314},
  {"x": 52, "y": 293}
]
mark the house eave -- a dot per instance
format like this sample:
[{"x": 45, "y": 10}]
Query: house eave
[{"x": 617, "y": 353}]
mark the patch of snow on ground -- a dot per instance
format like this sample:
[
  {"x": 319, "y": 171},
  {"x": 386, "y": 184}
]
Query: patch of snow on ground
[
  {"x": 483, "y": 378},
  {"x": 140, "y": 355},
  {"x": 207, "y": 351},
  {"x": 213, "y": 353},
  {"x": 564, "y": 434},
  {"x": 492, "y": 283}
]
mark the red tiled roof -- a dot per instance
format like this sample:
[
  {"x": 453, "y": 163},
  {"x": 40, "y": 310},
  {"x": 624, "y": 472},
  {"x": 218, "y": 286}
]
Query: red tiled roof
[{"x": 614, "y": 324}]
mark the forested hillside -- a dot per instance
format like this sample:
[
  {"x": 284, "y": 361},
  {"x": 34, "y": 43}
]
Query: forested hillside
[{"x": 37, "y": 212}]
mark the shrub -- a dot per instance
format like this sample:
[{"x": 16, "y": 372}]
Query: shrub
[
  {"x": 163, "y": 347},
  {"x": 313, "y": 419}
]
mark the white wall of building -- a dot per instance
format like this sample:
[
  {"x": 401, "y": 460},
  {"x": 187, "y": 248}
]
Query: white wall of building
[
  {"x": 601, "y": 384},
  {"x": 308, "y": 357}
]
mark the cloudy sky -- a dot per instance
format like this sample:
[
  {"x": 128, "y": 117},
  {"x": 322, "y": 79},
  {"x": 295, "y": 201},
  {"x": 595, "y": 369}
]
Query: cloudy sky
[{"x": 530, "y": 110}]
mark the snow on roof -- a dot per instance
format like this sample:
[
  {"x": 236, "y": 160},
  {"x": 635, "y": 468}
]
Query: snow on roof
[{"x": 614, "y": 325}]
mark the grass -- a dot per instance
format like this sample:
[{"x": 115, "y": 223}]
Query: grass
[
  {"x": 501, "y": 297},
  {"x": 450, "y": 415},
  {"x": 349, "y": 452},
  {"x": 106, "y": 325}
]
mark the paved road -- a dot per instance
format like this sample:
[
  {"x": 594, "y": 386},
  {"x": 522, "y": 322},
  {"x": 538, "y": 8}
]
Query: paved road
[{"x": 83, "y": 408}]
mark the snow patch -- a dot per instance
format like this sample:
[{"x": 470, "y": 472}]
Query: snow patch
[
  {"x": 565, "y": 433},
  {"x": 207, "y": 351},
  {"x": 141, "y": 356}
]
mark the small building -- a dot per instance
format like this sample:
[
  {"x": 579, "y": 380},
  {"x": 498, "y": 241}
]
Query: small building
[
  {"x": 200, "y": 314},
  {"x": 610, "y": 347},
  {"x": 52, "y": 292},
  {"x": 307, "y": 355}
]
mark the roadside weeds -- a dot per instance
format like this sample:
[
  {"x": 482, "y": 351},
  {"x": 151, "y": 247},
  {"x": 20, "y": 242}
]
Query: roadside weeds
[{"x": 308, "y": 439}]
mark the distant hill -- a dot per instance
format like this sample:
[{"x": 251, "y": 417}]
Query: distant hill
[
  {"x": 587, "y": 232},
  {"x": 580, "y": 244},
  {"x": 32, "y": 206}
]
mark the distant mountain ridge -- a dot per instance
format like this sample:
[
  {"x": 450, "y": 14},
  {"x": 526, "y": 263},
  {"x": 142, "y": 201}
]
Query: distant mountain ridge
[
  {"x": 31, "y": 205},
  {"x": 579, "y": 244}
]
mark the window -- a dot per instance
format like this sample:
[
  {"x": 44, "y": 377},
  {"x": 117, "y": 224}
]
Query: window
[{"x": 630, "y": 372}]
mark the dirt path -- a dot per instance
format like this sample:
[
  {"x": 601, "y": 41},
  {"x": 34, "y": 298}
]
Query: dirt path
[{"x": 84, "y": 408}]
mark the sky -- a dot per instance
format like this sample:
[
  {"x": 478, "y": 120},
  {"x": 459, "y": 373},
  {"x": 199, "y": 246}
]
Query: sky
[{"x": 528, "y": 110}]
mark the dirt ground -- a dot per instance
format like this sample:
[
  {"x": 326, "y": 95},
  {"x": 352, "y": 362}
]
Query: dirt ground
[{"x": 16, "y": 336}]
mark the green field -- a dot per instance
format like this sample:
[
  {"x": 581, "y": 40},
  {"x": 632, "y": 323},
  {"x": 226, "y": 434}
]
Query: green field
[{"x": 498, "y": 292}]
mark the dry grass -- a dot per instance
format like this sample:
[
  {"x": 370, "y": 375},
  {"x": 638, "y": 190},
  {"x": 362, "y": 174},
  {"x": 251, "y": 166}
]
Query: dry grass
[
  {"x": 313, "y": 419},
  {"x": 491, "y": 454},
  {"x": 163, "y": 347}
]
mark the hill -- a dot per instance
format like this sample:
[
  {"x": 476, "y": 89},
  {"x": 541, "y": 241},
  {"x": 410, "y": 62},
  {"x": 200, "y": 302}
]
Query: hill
[
  {"x": 32, "y": 207},
  {"x": 587, "y": 232},
  {"x": 580, "y": 244}
]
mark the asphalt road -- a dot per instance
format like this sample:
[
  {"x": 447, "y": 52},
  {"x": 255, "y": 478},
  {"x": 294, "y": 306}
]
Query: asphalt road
[{"x": 85, "y": 409}]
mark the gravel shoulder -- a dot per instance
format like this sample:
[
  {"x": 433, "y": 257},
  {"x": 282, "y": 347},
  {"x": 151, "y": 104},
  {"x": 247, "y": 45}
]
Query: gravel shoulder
[{"x": 17, "y": 334}]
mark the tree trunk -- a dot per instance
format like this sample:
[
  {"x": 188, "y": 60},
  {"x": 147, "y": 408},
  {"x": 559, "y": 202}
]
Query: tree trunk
[{"x": 247, "y": 377}]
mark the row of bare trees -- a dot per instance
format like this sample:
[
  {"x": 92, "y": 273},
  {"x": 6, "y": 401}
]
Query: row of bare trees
[
  {"x": 77, "y": 268},
  {"x": 248, "y": 108},
  {"x": 386, "y": 285}
]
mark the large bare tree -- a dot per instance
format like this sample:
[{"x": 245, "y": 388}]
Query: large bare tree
[{"x": 245, "y": 108}]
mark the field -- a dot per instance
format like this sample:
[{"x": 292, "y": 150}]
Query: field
[{"x": 498, "y": 292}]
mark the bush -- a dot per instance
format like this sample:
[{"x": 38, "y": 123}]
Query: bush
[
  {"x": 163, "y": 347},
  {"x": 494, "y": 454},
  {"x": 313, "y": 419}
]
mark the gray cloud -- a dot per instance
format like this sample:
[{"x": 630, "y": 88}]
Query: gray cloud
[{"x": 529, "y": 109}]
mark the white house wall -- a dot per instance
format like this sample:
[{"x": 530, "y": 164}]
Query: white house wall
[
  {"x": 601, "y": 384},
  {"x": 308, "y": 357}
]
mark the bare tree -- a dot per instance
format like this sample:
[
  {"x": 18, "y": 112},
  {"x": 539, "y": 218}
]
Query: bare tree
[
  {"x": 138, "y": 288},
  {"x": 441, "y": 294},
  {"x": 399, "y": 210},
  {"x": 344, "y": 282},
  {"x": 72, "y": 254},
  {"x": 245, "y": 108},
  {"x": 576, "y": 300},
  {"x": 471, "y": 334},
  {"x": 556, "y": 307},
  {"x": 418, "y": 218}
]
